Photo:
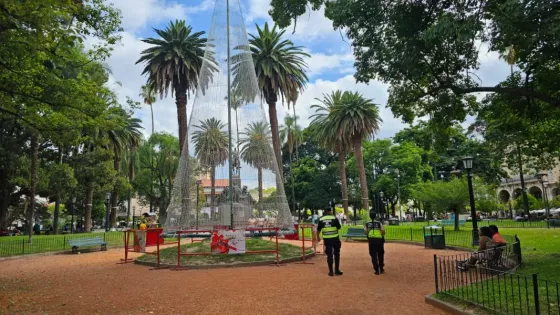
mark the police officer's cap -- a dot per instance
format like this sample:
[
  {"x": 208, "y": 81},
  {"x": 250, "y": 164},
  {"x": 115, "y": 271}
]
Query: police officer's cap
[{"x": 372, "y": 214}]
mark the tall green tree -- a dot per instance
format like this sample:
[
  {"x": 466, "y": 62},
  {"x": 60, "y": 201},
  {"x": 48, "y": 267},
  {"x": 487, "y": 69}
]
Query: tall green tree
[
  {"x": 328, "y": 136},
  {"x": 356, "y": 118},
  {"x": 255, "y": 150},
  {"x": 280, "y": 69},
  {"x": 429, "y": 51},
  {"x": 211, "y": 149},
  {"x": 173, "y": 62}
]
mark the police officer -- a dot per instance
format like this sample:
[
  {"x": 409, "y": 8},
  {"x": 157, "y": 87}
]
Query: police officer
[
  {"x": 329, "y": 226},
  {"x": 376, "y": 237}
]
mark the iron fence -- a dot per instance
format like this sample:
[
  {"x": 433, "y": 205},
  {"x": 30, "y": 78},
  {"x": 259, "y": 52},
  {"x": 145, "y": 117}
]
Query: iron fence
[
  {"x": 52, "y": 243},
  {"x": 487, "y": 279}
]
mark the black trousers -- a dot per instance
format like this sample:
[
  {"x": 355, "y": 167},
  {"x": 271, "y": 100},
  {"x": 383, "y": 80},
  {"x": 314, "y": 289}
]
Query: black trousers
[
  {"x": 332, "y": 248},
  {"x": 377, "y": 252}
]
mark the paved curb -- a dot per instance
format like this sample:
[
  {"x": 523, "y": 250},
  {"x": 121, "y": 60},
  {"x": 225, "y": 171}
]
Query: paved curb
[
  {"x": 446, "y": 307},
  {"x": 235, "y": 265}
]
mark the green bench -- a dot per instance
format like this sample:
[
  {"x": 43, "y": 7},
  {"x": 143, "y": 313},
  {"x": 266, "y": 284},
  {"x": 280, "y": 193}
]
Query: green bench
[
  {"x": 452, "y": 222},
  {"x": 85, "y": 242},
  {"x": 355, "y": 232}
]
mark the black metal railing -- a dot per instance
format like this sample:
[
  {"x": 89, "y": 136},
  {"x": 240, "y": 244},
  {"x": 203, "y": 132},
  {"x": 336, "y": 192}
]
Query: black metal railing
[
  {"x": 488, "y": 279},
  {"x": 52, "y": 243}
]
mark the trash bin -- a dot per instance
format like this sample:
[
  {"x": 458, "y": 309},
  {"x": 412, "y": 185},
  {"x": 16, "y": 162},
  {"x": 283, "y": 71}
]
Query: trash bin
[{"x": 434, "y": 237}]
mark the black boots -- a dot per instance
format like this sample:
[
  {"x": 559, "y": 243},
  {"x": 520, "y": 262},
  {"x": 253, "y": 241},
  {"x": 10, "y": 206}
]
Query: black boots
[{"x": 338, "y": 272}]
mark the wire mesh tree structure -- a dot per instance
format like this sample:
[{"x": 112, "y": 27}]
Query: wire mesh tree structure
[{"x": 228, "y": 141}]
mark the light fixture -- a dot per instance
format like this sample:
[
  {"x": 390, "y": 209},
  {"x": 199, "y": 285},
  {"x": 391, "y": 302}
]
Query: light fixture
[{"x": 467, "y": 162}]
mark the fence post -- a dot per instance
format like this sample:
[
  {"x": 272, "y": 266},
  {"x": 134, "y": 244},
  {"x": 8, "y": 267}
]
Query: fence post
[
  {"x": 104, "y": 234},
  {"x": 536, "y": 294},
  {"x": 64, "y": 242},
  {"x": 411, "y": 234},
  {"x": 436, "y": 274},
  {"x": 23, "y": 246},
  {"x": 548, "y": 224}
]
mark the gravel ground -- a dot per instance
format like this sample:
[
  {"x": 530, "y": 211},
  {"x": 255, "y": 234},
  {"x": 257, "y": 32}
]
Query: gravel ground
[{"x": 92, "y": 283}]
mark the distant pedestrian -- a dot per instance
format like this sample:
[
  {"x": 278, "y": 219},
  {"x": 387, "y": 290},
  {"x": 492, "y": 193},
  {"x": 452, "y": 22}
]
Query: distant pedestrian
[
  {"x": 376, "y": 238},
  {"x": 328, "y": 227}
]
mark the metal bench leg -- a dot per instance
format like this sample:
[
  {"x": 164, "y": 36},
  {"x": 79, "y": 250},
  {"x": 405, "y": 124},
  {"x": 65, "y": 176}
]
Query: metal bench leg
[
  {"x": 104, "y": 247},
  {"x": 74, "y": 249}
]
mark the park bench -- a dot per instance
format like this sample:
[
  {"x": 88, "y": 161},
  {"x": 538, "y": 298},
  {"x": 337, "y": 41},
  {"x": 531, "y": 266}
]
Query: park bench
[
  {"x": 452, "y": 222},
  {"x": 354, "y": 232},
  {"x": 83, "y": 242}
]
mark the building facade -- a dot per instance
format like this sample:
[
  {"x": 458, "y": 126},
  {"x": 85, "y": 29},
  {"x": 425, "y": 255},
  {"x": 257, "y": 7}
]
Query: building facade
[{"x": 510, "y": 188}]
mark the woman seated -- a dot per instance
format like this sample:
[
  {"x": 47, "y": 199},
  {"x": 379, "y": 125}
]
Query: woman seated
[
  {"x": 497, "y": 238},
  {"x": 484, "y": 251}
]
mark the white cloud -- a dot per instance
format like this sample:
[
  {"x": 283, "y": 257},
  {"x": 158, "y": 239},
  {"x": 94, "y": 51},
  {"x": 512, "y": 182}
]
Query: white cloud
[
  {"x": 318, "y": 63},
  {"x": 375, "y": 90}
]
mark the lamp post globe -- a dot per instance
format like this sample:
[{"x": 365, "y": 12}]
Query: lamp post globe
[{"x": 468, "y": 164}]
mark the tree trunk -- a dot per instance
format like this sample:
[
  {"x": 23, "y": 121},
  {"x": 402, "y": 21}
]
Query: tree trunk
[
  {"x": 152, "y": 110},
  {"x": 33, "y": 188},
  {"x": 212, "y": 190},
  {"x": 260, "y": 183},
  {"x": 56, "y": 214},
  {"x": 343, "y": 183},
  {"x": 115, "y": 194},
  {"x": 295, "y": 127},
  {"x": 89, "y": 207},
  {"x": 181, "y": 102},
  {"x": 275, "y": 138},
  {"x": 4, "y": 203},
  {"x": 361, "y": 169},
  {"x": 525, "y": 200}
]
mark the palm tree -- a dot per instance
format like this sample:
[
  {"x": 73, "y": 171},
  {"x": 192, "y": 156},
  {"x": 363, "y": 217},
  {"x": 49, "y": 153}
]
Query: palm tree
[
  {"x": 289, "y": 132},
  {"x": 255, "y": 149},
  {"x": 173, "y": 63},
  {"x": 211, "y": 148},
  {"x": 327, "y": 136},
  {"x": 125, "y": 136},
  {"x": 355, "y": 118},
  {"x": 279, "y": 66},
  {"x": 148, "y": 95}
]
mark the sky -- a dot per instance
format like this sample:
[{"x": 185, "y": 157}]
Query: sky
[{"x": 330, "y": 66}]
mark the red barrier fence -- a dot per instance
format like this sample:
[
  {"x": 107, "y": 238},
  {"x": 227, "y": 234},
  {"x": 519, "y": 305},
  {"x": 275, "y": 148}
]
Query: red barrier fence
[
  {"x": 251, "y": 230},
  {"x": 313, "y": 228},
  {"x": 141, "y": 240}
]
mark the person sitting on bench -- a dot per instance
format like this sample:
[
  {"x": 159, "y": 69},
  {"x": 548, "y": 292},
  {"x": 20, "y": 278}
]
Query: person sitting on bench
[
  {"x": 483, "y": 253},
  {"x": 497, "y": 238}
]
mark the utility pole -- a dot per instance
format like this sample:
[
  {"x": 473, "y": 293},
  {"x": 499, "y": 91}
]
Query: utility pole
[{"x": 230, "y": 168}]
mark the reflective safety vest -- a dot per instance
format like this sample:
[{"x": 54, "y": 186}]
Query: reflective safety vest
[
  {"x": 329, "y": 230},
  {"x": 374, "y": 229}
]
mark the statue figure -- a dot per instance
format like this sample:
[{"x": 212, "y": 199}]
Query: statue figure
[{"x": 235, "y": 163}]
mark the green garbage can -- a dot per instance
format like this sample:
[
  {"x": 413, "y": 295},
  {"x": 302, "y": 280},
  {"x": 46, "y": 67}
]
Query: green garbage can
[{"x": 434, "y": 237}]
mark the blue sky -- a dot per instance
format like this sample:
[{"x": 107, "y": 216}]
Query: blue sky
[{"x": 330, "y": 65}]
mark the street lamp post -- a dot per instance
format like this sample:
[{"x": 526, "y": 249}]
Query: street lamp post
[
  {"x": 542, "y": 177},
  {"x": 468, "y": 164},
  {"x": 72, "y": 202},
  {"x": 381, "y": 206},
  {"x": 198, "y": 182},
  {"x": 108, "y": 199}
]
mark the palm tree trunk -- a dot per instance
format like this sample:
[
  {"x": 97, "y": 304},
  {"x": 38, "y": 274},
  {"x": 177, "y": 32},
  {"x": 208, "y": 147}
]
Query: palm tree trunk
[
  {"x": 212, "y": 190},
  {"x": 275, "y": 138},
  {"x": 343, "y": 183},
  {"x": 115, "y": 194},
  {"x": 152, "y": 110},
  {"x": 260, "y": 183},
  {"x": 361, "y": 169},
  {"x": 89, "y": 207},
  {"x": 181, "y": 102},
  {"x": 295, "y": 128},
  {"x": 33, "y": 188}
]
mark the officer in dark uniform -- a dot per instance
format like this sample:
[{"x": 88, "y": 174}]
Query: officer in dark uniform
[
  {"x": 328, "y": 226},
  {"x": 376, "y": 237}
]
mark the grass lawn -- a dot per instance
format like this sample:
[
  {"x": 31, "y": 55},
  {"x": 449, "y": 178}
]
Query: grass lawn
[
  {"x": 18, "y": 245},
  {"x": 169, "y": 255}
]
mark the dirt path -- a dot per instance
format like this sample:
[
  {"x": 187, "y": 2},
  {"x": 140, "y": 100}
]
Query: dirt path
[{"x": 92, "y": 283}]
